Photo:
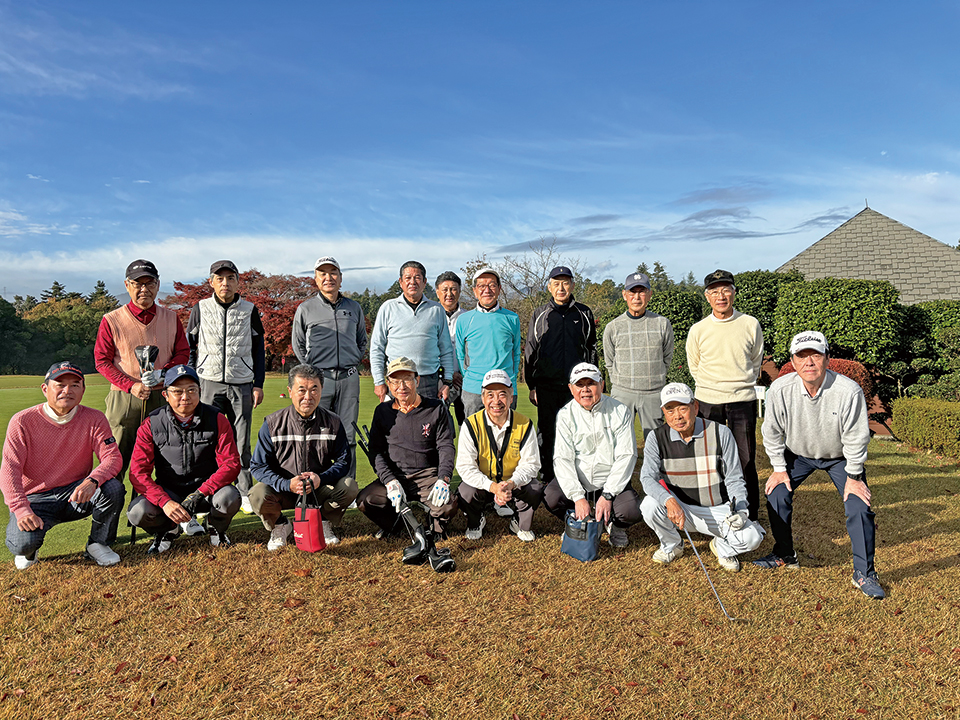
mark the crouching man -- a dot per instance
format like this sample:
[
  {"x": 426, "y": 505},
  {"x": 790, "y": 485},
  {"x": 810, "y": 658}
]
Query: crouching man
[
  {"x": 190, "y": 449},
  {"x": 47, "y": 476},
  {"x": 593, "y": 458},
  {"x": 498, "y": 460},
  {"x": 302, "y": 448},
  {"x": 691, "y": 472}
]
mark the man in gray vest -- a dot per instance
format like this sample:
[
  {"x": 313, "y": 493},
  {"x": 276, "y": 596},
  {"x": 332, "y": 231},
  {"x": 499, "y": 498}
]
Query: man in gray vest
[
  {"x": 691, "y": 473},
  {"x": 225, "y": 333},
  {"x": 330, "y": 334}
]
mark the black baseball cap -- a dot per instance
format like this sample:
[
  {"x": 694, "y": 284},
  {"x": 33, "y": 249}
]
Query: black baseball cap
[
  {"x": 718, "y": 277},
  {"x": 224, "y": 265},
  {"x": 142, "y": 268},
  {"x": 62, "y": 368},
  {"x": 560, "y": 271}
]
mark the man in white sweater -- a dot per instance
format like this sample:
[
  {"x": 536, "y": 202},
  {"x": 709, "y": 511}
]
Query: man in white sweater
[
  {"x": 724, "y": 354},
  {"x": 817, "y": 420}
]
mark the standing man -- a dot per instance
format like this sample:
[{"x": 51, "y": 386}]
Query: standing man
[
  {"x": 691, "y": 473},
  {"x": 47, "y": 476},
  {"x": 498, "y": 460},
  {"x": 638, "y": 350},
  {"x": 488, "y": 338},
  {"x": 817, "y": 419},
  {"x": 330, "y": 334},
  {"x": 724, "y": 353},
  {"x": 594, "y": 458},
  {"x": 190, "y": 450},
  {"x": 302, "y": 447},
  {"x": 411, "y": 449},
  {"x": 414, "y": 327},
  {"x": 448, "y": 288},
  {"x": 225, "y": 333},
  {"x": 133, "y": 393},
  {"x": 562, "y": 334}
]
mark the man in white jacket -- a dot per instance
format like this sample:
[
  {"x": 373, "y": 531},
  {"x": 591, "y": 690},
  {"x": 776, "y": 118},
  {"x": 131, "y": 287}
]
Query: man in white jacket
[{"x": 593, "y": 458}]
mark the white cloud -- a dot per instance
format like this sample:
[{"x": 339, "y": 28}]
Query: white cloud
[{"x": 37, "y": 177}]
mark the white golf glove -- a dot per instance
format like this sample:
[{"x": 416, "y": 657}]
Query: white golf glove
[
  {"x": 737, "y": 520},
  {"x": 151, "y": 378},
  {"x": 440, "y": 493},
  {"x": 395, "y": 494}
]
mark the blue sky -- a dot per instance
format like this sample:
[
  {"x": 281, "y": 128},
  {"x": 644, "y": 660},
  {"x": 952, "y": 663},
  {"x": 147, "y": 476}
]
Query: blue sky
[{"x": 697, "y": 134}]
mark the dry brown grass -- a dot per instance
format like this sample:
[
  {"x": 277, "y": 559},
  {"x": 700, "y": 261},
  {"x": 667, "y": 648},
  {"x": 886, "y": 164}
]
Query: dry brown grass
[{"x": 518, "y": 631}]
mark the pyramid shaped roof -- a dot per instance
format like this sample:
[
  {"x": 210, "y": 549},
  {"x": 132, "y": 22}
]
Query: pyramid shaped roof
[{"x": 871, "y": 246}]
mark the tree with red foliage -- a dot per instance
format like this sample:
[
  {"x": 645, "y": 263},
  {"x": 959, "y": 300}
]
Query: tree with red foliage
[
  {"x": 276, "y": 297},
  {"x": 851, "y": 368}
]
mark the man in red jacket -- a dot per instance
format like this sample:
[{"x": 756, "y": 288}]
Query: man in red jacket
[
  {"x": 190, "y": 449},
  {"x": 47, "y": 476}
]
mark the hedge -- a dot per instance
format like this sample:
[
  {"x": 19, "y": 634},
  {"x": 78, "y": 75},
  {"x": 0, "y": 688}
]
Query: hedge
[
  {"x": 757, "y": 295},
  {"x": 928, "y": 424},
  {"x": 860, "y": 318},
  {"x": 851, "y": 368}
]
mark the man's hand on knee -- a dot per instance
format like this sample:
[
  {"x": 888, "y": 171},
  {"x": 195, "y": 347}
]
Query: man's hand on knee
[
  {"x": 858, "y": 488},
  {"x": 675, "y": 513},
  {"x": 777, "y": 478},
  {"x": 29, "y": 522}
]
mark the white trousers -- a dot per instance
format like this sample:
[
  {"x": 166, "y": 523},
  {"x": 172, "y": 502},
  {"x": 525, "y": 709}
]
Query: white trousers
[{"x": 704, "y": 520}]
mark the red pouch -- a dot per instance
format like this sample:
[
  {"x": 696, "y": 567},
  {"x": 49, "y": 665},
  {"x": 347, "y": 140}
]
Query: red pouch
[{"x": 308, "y": 526}]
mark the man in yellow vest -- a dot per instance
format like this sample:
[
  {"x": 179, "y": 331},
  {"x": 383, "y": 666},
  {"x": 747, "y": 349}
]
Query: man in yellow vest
[
  {"x": 141, "y": 322},
  {"x": 498, "y": 459}
]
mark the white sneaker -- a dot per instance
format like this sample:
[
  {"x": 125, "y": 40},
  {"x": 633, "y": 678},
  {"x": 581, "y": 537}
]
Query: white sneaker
[
  {"x": 22, "y": 562},
  {"x": 477, "y": 532},
  {"x": 522, "y": 535},
  {"x": 278, "y": 536},
  {"x": 192, "y": 527},
  {"x": 329, "y": 536},
  {"x": 727, "y": 563},
  {"x": 617, "y": 536},
  {"x": 102, "y": 555},
  {"x": 245, "y": 505},
  {"x": 161, "y": 543},
  {"x": 662, "y": 557},
  {"x": 503, "y": 510}
]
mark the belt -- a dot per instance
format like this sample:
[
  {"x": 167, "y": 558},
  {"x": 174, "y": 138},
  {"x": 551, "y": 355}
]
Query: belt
[{"x": 337, "y": 374}]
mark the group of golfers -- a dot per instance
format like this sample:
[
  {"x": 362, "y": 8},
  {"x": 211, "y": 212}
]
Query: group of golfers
[{"x": 180, "y": 403}]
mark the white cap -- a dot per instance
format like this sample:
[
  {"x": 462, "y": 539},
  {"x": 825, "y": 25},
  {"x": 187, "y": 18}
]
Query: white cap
[
  {"x": 486, "y": 271},
  {"x": 585, "y": 370},
  {"x": 326, "y": 260},
  {"x": 676, "y": 392},
  {"x": 809, "y": 339},
  {"x": 496, "y": 377}
]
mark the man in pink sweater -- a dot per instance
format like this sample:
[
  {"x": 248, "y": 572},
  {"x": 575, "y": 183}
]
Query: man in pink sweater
[{"x": 47, "y": 476}]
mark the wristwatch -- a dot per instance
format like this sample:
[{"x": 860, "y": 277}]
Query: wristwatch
[
  {"x": 608, "y": 497},
  {"x": 95, "y": 483}
]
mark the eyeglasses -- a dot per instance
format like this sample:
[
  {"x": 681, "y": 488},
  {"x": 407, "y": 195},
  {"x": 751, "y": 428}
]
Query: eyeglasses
[
  {"x": 486, "y": 286},
  {"x": 409, "y": 382},
  {"x": 181, "y": 392},
  {"x": 714, "y": 292},
  {"x": 148, "y": 284}
]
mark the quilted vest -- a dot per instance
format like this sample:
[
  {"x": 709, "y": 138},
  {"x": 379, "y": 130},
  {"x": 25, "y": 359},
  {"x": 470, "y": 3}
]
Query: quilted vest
[{"x": 225, "y": 342}]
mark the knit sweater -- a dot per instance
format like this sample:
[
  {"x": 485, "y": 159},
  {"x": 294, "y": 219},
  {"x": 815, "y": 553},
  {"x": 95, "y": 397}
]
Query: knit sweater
[
  {"x": 487, "y": 341},
  {"x": 724, "y": 357},
  {"x": 405, "y": 443},
  {"x": 831, "y": 425},
  {"x": 39, "y": 455},
  {"x": 638, "y": 351},
  {"x": 421, "y": 335}
]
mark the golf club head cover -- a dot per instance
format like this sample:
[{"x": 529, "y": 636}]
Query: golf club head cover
[
  {"x": 146, "y": 355},
  {"x": 440, "y": 493},
  {"x": 192, "y": 501},
  {"x": 395, "y": 494},
  {"x": 415, "y": 554},
  {"x": 440, "y": 560}
]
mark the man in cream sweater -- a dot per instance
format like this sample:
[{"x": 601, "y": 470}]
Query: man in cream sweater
[{"x": 724, "y": 353}]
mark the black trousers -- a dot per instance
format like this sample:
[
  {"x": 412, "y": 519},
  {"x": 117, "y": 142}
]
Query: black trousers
[
  {"x": 741, "y": 418},
  {"x": 550, "y": 398}
]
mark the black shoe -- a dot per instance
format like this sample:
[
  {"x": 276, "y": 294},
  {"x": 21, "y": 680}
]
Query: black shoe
[
  {"x": 773, "y": 561},
  {"x": 161, "y": 543}
]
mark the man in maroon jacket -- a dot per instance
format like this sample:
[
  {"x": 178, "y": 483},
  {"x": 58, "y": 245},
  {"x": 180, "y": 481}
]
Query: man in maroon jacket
[{"x": 190, "y": 448}]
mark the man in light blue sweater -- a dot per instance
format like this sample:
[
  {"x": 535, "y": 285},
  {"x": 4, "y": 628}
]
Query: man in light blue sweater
[
  {"x": 816, "y": 419},
  {"x": 487, "y": 338},
  {"x": 415, "y": 327}
]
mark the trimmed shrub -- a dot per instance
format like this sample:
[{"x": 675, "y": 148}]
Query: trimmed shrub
[
  {"x": 851, "y": 368},
  {"x": 757, "y": 295},
  {"x": 858, "y": 317},
  {"x": 928, "y": 424}
]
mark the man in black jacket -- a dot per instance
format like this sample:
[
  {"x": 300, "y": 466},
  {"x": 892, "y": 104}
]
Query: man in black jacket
[
  {"x": 302, "y": 448},
  {"x": 561, "y": 335}
]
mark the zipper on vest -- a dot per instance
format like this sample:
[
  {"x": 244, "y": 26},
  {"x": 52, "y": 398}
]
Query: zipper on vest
[{"x": 223, "y": 368}]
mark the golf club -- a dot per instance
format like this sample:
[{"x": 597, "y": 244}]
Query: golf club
[
  {"x": 729, "y": 616},
  {"x": 146, "y": 356}
]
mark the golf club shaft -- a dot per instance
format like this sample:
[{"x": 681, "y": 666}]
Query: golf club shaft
[{"x": 690, "y": 540}]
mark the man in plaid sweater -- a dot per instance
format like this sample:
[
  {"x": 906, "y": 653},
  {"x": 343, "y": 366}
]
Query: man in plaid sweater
[{"x": 638, "y": 350}]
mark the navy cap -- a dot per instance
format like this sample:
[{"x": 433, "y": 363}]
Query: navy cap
[
  {"x": 179, "y": 371},
  {"x": 560, "y": 271},
  {"x": 142, "y": 268},
  {"x": 635, "y": 280},
  {"x": 62, "y": 368},
  {"x": 224, "y": 265}
]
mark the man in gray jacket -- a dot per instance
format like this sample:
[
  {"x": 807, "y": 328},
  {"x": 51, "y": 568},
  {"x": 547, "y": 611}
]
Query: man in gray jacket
[
  {"x": 638, "y": 350},
  {"x": 330, "y": 334},
  {"x": 225, "y": 334},
  {"x": 816, "y": 419}
]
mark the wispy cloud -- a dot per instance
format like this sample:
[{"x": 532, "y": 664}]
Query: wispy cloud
[
  {"x": 37, "y": 177},
  {"x": 740, "y": 193},
  {"x": 141, "y": 182}
]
